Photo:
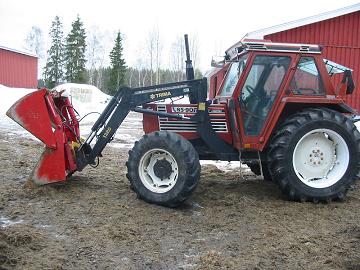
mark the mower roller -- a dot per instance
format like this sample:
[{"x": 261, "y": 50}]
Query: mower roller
[{"x": 275, "y": 109}]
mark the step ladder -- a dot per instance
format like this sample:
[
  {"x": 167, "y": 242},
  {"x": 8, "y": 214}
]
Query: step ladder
[{"x": 251, "y": 161}]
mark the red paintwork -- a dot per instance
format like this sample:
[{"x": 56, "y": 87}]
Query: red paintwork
[
  {"x": 215, "y": 81},
  {"x": 240, "y": 140},
  {"x": 33, "y": 116},
  {"x": 38, "y": 113},
  {"x": 259, "y": 142},
  {"x": 17, "y": 69},
  {"x": 340, "y": 38}
]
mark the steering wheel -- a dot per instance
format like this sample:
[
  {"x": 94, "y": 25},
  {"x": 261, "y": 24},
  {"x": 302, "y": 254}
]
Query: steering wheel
[
  {"x": 252, "y": 94},
  {"x": 251, "y": 91}
]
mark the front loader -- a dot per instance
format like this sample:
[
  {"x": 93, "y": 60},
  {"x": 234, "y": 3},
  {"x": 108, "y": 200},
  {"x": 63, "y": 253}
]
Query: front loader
[{"x": 275, "y": 110}]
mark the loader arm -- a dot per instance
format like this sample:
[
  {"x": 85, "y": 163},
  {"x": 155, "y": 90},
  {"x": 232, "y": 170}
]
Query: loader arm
[{"x": 130, "y": 99}]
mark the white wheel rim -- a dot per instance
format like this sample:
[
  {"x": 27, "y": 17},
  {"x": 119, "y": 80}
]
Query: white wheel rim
[
  {"x": 148, "y": 176},
  {"x": 321, "y": 158}
]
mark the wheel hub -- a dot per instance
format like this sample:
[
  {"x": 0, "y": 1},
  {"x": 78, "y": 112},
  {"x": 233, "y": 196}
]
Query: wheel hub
[
  {"x": 162, "y": 169},
  {"x": 316, "y": 158},
  {"x": 158, "y": 170},
  {"x": 320, "y": 158}
]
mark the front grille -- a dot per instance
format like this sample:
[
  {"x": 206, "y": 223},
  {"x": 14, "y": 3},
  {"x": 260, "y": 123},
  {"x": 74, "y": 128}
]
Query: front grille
[{"x": 218, "y": 123}]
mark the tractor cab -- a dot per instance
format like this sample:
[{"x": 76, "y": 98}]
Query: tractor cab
[
  {"x": 261, "y": 77},
  {"x": 254, "y": 91}
]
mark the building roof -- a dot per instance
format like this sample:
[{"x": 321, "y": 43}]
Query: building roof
[
  {"x": 18, "y": 51},
  {"x": 259, "y": 34}
]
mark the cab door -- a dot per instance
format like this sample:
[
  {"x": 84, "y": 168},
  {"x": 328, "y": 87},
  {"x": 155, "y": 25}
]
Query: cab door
[{"x": 257, "y": 94}]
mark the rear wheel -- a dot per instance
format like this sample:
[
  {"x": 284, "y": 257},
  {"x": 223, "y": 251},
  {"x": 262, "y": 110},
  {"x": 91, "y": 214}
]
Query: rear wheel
[
  {"x": 315, "y": 155},
  {"x": 163, "y": 168}
]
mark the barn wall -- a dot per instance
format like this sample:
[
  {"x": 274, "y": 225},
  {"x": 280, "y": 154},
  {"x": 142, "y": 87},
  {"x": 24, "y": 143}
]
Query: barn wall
[
  {"x": 18, "y": 70},
  {"x": 340, "y": 37}
]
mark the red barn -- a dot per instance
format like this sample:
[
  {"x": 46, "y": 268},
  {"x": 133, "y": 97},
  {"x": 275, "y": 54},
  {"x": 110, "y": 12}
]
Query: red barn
[
  {"x": 337, "y": 31},
  {"x": 18, "y": 69}
]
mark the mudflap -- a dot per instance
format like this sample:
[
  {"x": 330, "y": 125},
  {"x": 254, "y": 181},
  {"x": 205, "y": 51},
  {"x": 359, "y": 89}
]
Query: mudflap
[{"x": 51, "y": 118}]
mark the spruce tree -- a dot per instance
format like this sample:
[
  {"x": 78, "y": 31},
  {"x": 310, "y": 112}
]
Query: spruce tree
[
  {"x": 118, "y": 66},
  {"x": 75, "y": 53},
  {"x": 54, "y": 68}
]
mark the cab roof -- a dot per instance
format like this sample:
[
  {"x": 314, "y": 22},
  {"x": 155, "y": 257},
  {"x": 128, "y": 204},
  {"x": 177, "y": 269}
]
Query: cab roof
[{"x": 268, "y": 46}]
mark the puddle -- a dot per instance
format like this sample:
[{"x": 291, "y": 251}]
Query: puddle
[
  {"x": 196, "y": 205},
  {"x": 5, "y": 222}
]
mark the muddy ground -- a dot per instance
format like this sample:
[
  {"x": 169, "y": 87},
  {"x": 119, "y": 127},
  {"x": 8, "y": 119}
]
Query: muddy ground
[{"x": 95, "y": 221}]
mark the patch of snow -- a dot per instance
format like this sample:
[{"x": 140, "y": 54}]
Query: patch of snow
[
  {"x": 8, "y": 97},
  {"x": 223, "y": 165},
  {"x": 85, "y": 98}
]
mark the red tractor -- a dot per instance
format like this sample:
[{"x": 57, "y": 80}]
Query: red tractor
[{"x": 276, "y": 110}]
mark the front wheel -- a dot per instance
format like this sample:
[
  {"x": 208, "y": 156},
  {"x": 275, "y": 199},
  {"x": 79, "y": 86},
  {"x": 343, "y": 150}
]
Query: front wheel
[
  {"x": 315, "y": 155},
  {"x": 163, "y": 168}
]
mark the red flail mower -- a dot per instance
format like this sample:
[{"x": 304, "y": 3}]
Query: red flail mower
[{"x": 276, "y": 110}]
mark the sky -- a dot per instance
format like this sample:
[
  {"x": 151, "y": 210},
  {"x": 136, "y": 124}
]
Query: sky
[{"x": 217, "y": 24}]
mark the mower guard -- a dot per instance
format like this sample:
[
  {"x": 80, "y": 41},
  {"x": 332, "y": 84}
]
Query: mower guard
[{"x": 50, "y": 118}]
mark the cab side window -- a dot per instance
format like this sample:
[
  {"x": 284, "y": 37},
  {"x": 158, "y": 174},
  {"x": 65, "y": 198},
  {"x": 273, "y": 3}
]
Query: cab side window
[{"x": 307, "y": 79}]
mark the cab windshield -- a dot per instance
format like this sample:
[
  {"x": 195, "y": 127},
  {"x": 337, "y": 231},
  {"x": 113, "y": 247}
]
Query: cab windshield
[{"x": 234, "y": 72}]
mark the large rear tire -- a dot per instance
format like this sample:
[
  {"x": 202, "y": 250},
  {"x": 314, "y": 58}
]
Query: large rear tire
[
  {"x": 163, "y": 168},
  {"x": 315, "y": 155}
]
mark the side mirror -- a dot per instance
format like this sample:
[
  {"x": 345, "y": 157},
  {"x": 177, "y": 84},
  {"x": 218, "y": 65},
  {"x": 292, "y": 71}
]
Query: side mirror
[
  {"x": 217, "y": 61},
  {"x": 346, "y": 86},
  {"x": 347, "y": 78}
]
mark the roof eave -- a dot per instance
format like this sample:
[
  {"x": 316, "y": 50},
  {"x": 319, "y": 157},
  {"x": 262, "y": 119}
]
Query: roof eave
[
  {"x": 260, "y": 34},
  {"x": 18, "y": 51}
]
